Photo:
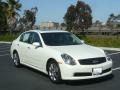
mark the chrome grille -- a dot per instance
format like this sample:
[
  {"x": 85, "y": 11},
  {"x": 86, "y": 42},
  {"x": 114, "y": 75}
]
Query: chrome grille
[{"x": 92, "y": 61}]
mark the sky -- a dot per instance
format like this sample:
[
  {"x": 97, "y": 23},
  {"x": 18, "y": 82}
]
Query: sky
[{"x": 54, "y": 10}]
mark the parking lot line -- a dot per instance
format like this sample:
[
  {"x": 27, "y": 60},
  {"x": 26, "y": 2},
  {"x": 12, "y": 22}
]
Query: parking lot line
[
  {"x": 114, "y": 53},
  {"x": 4, "y": 55},
  {"x": 118, "y": 68}
]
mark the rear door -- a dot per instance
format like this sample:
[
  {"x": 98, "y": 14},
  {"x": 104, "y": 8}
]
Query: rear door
[{"x": 24, "y": 46}]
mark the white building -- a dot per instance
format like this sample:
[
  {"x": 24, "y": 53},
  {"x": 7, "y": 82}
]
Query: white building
[{"x": 49, "y": 25}]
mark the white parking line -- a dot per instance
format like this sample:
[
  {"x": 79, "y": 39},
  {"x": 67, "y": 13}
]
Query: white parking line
[
  {"x": 3, "y": 42},
  {"x": 115, "y": 69},
  {"x": 4, "y": 55},
  {"x": 114, "y": 53}
]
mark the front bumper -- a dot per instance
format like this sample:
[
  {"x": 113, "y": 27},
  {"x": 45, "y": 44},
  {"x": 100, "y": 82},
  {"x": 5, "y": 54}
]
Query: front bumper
[{"x": 79, "y": 72}]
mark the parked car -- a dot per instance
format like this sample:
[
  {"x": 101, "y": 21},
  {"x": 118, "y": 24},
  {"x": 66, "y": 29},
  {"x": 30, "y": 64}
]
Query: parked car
[{"x": 60, "y": 54}]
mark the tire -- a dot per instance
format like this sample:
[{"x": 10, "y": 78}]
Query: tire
[
  {"x": 16, "y": 59},
  {"x": 54, "y": 72}
]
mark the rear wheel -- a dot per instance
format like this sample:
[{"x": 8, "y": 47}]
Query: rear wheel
[
  {"x": 16, "y": 59},
  {"x": 54, "y": 72}
]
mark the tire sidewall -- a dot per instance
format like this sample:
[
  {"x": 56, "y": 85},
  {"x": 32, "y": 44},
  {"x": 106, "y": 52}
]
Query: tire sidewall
[
  {"x": 18, "y": 59},
  {"x": 58, "y": 80}
]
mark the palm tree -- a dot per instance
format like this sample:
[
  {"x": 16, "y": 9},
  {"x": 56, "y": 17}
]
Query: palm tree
[
  {"x": 3, "y": 15},
  {"x": 13, "y": 8},
  {"x": 9, "y": 13}
]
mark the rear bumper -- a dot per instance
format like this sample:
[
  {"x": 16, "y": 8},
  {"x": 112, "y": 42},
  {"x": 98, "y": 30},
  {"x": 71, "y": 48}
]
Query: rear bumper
[{"x": 78, "y": 72}]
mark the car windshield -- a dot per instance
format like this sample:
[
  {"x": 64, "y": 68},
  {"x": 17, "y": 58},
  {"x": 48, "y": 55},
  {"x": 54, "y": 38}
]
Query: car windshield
[{"x": 60, "y": 39}]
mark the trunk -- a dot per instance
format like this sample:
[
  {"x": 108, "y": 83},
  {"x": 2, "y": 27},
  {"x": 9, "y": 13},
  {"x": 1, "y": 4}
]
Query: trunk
[
  {"x": 117, "y": 34},
  {"x": 83, "y": 32},
  {"x": 10, "y": 32},
  {"x": 87, "y": 32}
]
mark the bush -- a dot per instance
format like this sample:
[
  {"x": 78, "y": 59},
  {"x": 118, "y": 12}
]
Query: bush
[
  {"x": 8, "y": 37},
  {"x": 103, "y": 41}
]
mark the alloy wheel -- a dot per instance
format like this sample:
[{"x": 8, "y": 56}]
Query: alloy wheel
[{"x": 54, "y": 72}]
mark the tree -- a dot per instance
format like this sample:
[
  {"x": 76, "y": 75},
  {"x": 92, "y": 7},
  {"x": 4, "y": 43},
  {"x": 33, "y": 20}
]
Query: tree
[
  {"x": 12, "y": 16},
  {"x": 110, "y": 21},
  {"x": 9, "y": 14},
  {"x": 3, "y": 15},
  {"x": 113, "y": 22},
  {"x": 28, "y": 20},
  {"x": 78, "y": 17},
  {"x": 63, "y": 25},
  {"x": 99, "y": 25},
  {"x": 31, "y": 15},
  {"x": 70, "y": 17}
]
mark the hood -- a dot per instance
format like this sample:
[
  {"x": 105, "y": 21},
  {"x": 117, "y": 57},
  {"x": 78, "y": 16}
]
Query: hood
[{"x": 80, "y": 51}]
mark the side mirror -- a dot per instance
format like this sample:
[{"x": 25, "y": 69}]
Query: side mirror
[
  {"x": 36, "y": 44},
  {"x": 83, "y": 41}
]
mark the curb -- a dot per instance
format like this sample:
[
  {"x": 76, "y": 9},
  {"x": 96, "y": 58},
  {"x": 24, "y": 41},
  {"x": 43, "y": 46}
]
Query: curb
[{"x": 5, "y": 42}]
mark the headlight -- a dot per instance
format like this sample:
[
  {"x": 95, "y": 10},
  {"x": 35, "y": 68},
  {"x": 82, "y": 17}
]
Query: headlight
[
  {"x": 108, "y": 57},
  {"x": 68, "y": 59}
]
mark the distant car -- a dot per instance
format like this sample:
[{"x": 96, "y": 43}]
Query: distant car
[{"x": 61, "y": 55}]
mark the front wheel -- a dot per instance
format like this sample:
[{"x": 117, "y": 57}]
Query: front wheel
[
  {"x": 16, "y": 59},
  {"x": 54, "y": 72}
]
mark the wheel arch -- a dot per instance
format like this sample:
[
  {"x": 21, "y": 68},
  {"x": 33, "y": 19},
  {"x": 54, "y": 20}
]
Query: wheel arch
[
  {"x": 59, "y": 78},
  {"x": 15, "y": 51},
  {"x": 48, "y": 61}
]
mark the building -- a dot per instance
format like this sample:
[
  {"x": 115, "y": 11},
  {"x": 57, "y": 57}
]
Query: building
[{"x": 49, "y": 25}]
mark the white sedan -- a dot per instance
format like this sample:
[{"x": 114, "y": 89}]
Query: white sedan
[{"x": 61, "y": 55}]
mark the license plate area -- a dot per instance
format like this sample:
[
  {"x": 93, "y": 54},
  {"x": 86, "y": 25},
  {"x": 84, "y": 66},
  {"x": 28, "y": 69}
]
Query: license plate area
[{"x": 97, "y": 71}]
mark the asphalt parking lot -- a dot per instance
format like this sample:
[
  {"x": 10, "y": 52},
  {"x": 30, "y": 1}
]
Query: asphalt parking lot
[{"x": 12, "y": 78}]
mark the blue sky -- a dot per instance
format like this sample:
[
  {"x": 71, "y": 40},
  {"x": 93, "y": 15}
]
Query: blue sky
[{"x": 54, "y": 10}]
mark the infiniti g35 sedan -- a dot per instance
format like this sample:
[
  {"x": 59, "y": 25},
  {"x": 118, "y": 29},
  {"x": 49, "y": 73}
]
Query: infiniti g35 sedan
[{"x": 61, "y": 55}]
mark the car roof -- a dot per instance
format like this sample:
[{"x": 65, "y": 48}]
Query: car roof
[{"x": 47, "y": 31}]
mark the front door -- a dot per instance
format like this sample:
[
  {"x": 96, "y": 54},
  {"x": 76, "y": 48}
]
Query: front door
[{"x": 35, "y": 55}]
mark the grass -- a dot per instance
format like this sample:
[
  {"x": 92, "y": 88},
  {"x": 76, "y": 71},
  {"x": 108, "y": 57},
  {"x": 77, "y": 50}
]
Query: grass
[
  {"x": 100, "y": 41},
  {"x": 8, "y": 37}
]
